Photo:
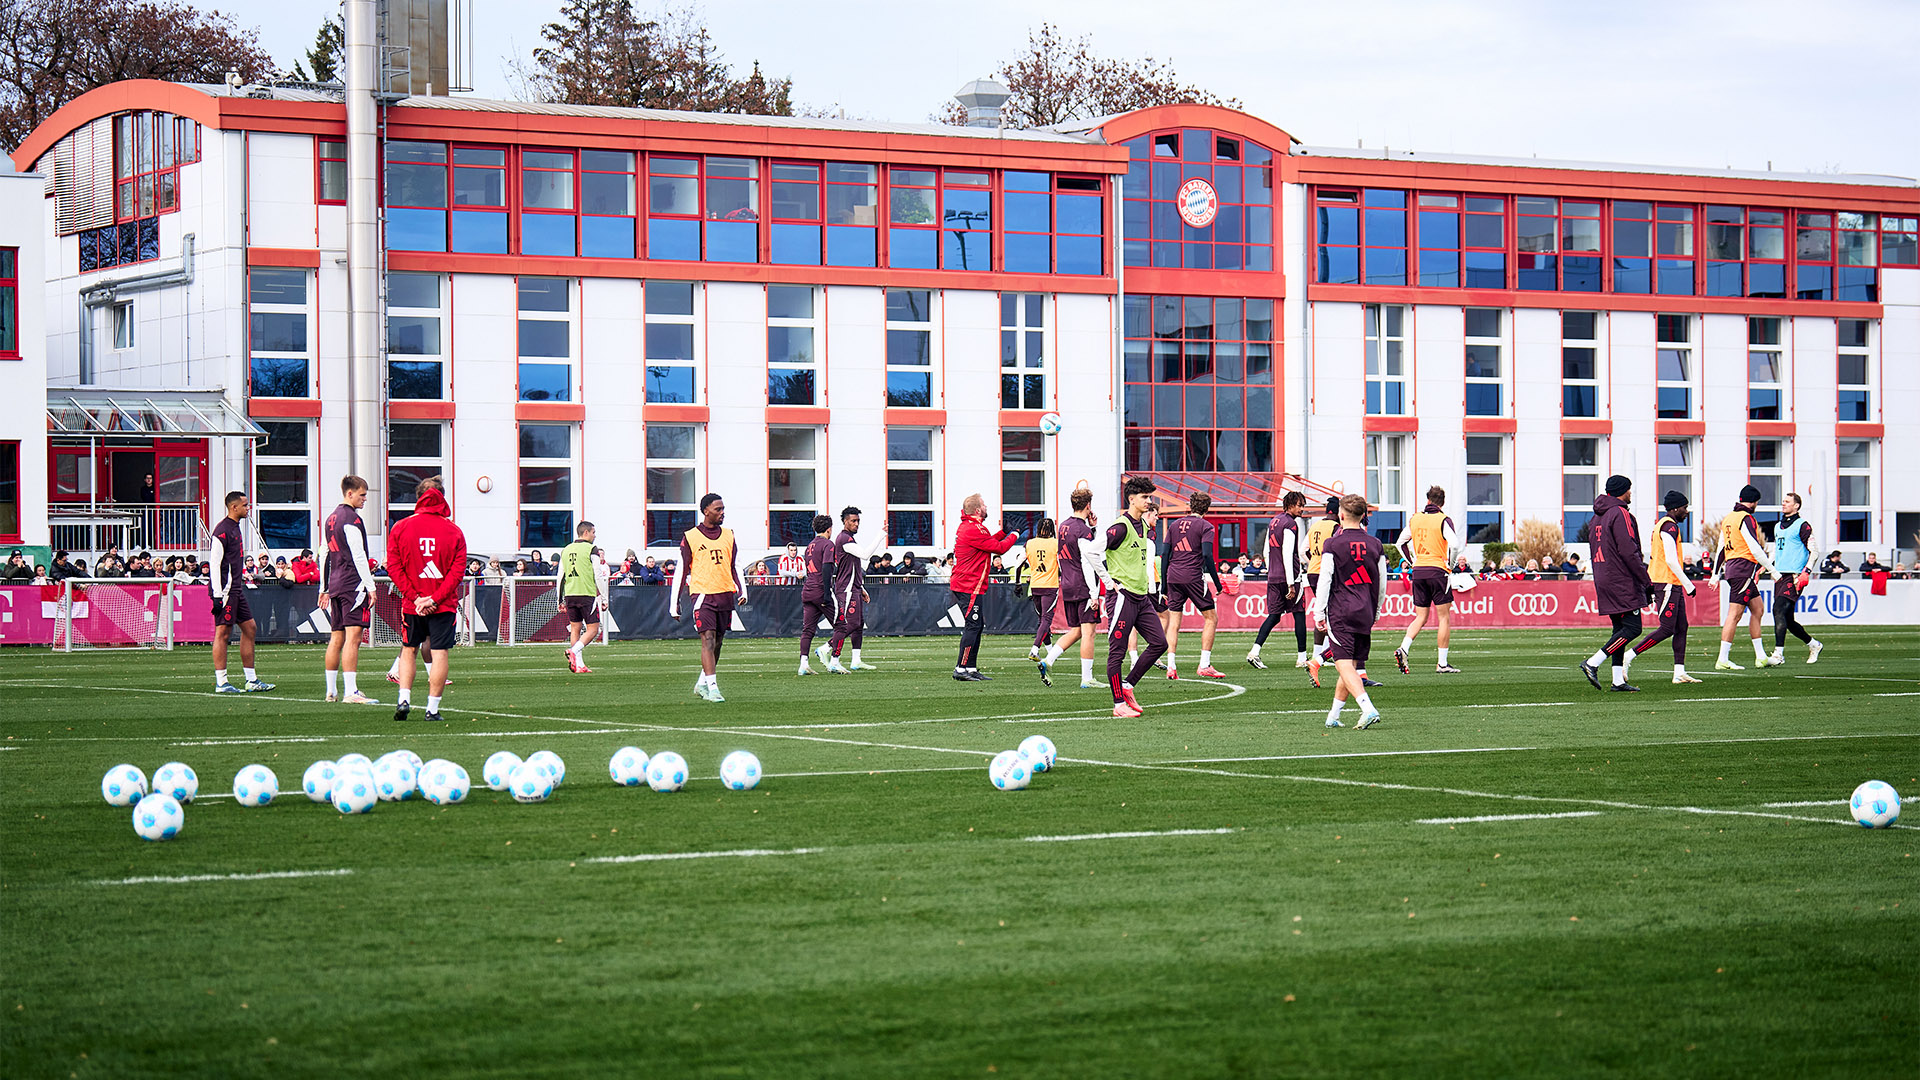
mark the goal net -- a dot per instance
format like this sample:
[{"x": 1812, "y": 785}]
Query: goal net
[
  {"x": 531, "y": 613},
  {"x": 383, "y": 629},
  {"x": 114, "y": 613}
]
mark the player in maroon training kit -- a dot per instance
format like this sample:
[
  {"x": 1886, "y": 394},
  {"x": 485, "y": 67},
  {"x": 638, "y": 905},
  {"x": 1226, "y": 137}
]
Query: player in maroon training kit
[
  {"x": 349, "y": 590},
  {"x": 1081, "y": 567},
  {"x": 850, "y": 590},
  {"x": 1346, "y": 600},
  {"x": 816, "y": 584},
  {"x": 1286, "y": 578},
  {"x": 1191, "y": 554}
]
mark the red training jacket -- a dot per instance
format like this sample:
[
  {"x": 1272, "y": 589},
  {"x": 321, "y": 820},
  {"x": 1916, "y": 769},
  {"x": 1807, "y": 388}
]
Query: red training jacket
[
  {"x": 427, "y": 554},
  {"x": 973, "y": 549}
]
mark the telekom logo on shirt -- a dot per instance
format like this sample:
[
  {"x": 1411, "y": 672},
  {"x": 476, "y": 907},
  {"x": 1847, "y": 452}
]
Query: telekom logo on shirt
[{"x": 426, "y": 547}]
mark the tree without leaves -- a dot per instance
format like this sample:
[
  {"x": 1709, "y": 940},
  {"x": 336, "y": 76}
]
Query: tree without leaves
[
  {"x": 1060, "y": 80},
  {"x": 52, "y": 51},
  {"x": 601, "y": 53},
  {"x": 327, "y": 57}
]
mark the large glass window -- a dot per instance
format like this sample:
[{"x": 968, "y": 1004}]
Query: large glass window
[
  {"x": 1199, "y": 384},
  {"x": 415, "y": 451},
  {"x": 1485, "y": 369},
  {"x": 913, "y": 203},
  {"x": 1899, "y": 241},
  {"x": 1855, "y": 364},
  {"x": 1387, "y": 488},
  {"x": 1195, "y": 198},
  {"x": 1766, "y": 253},
  {"x": 1676, "y": 464},
  {"x": 796, "y": 213},
  {"x": 9, "y": 303},
  {"x": 1386, "y": 360},
  {"x": 547, "y": 221},
  {"x": 546, "y": 485},
  {"x": 1579, "y": 485},
  {"x": 1023, "y": 480},
  {"x": 910, "y": 491},
  {"x": 10, "y": 492},
  {"x": 673, "y": 208},
  {"x": 1766, "y": 371},
  {"x": 1023, "y": 351},
  {"x": 479, "y": 219},
  {"x": 1486, "y": 488},
  {"x": 793, "y": 361},
  {"x": 1558, "y": 243},
  {"x": 1579, "y": 364},
  {"x": 1674, "y": 372},
  {"x": 910, "y": 348},
  {"x": 1854, "y": 255},
  {"x": 331, "y": 155},
  {"x": 671, "y": 361},
  {"x": 282, "y": 487},
  {"x": 416, "y": 194},
  {"x": 1080, "y": 224},
  {"x": 793, "y": 496},
  {"x": 607, "y": 204},
  {"x": 966, "y": 211},
  {"x": 673, "y": 482},
  {"x": 1853, "y": 490},
  {"x": 149, "y": 148},
  {"x": 416, "y": 364},
  {"x": 279, "y": 304},
  {"x": 1766, "y": 470},
  {"x": 852, "y": 195},
  {"x": 546, "y": 339},
  {"x": 733, "y": 209}
]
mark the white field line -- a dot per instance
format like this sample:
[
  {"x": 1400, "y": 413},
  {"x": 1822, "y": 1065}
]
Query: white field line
[
  {"x": 1233, "y": 690},
  {"x": 1504, "y": 817},
  {"x": 1812, "y": 802},
  {"x": 1514, "y": 749},
  {"x": 1124, "y": 835},
  {"x": 1519, "y": 705},
  {"x": 1351, "y": 754},
  {"x": 1908, "y": 694},
  {"x": 184, "y": 879},
  {"x": 1855, "y": 678},
  {"x": 671, "y": 856}
]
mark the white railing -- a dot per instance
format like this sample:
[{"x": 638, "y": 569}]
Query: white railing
[{"x": 158, "y": 527}]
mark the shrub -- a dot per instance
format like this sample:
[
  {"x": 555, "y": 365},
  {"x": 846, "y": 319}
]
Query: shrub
[{"x": 1541, "y": 540}]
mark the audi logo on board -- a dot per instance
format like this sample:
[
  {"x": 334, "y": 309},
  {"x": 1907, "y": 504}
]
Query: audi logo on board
[
  {"x": 1396, "y": 604},
  {"x": 1536, "y": 604},
  {"x": 1250, "y": 606}
]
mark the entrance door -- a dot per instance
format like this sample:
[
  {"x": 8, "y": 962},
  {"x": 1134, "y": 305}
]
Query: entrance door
[
  {"x": 131, "y": 475},
  {"x": 180, "y": 487}
]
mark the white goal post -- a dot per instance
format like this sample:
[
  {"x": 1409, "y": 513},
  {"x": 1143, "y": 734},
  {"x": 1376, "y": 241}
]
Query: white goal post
[
  {"x": 383, "y": 629},
  {"x": 125, "y": 613},
  {"x": 531, "y": 613}
]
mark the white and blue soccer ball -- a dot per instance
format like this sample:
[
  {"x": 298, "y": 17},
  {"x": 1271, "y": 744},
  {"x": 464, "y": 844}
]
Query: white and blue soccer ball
[
  {"x": 348, "y": 761},
  {"x": 405, "y": 759},
  {"x": 498, "y": 771},
  {"x": 393, "y": 778},
  {"x": 667, "y": 771},
  {"x": 1040, "y": 749},
  {"x": 444, "y": 782},
  {"x": 123, "y": 785},
  {"x": 628, "y": 766},
  {"x": 1010, "y": 770},
  {"x": 353, "y": 791},
  {"x": 318, "y": 780},
  {"x": 413, "y": 759},
  {"x": 158, "y": 817},
  {"x": 1050, "y": 423},
  {"x": 1875, "y": 804},
  {"x": 740, "y": 771},
  {"x": 178, "y": 780},
  {"x": 255, "y": 785},
  {"x": 530, "y": 783},
  {"x": 551, "y": 762}
]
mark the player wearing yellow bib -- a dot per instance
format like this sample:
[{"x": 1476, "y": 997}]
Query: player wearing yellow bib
[
  {"x": 1431, "y": 539},
  {"x": 1667, "y": 566},
  {"x": 583, "y": 592},
  {"x": 1043, "y": 584},
  {"x": 1742, "y": 554},
  {"x": 709, "y": 564}
]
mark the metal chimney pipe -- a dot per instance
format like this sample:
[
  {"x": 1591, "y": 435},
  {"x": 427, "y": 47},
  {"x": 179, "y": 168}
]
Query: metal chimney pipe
[{"x": 365, "y": 449}]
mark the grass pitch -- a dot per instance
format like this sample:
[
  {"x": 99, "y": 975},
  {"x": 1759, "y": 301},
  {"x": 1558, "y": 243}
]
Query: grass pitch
[{"x": 1282, "y": 900}]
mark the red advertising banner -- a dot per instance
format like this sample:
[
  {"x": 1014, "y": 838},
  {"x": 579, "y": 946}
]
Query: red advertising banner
[{"x": 1540, "y": 604}]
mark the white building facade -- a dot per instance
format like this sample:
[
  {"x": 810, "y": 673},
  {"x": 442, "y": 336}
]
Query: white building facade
[{"x": 23, "y": 366}]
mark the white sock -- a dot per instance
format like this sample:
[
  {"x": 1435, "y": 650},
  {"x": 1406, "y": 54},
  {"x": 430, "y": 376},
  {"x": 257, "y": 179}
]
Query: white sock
[
  {"x": 804, "y": 666},
  {"x": 1206, "y": 657},
  {"x": 406, "y": 696},
  {"x": 1726, "y": 651},
  {"x": 1086, "y": 670},
  {"x": 1132, "y": 657},
  {"x": 705, "y": 679},
  {"x": 394, "y": 671},
  {"x": 1759, "y": 652},
  {"x": 856, "y": 656},
  {"x": 1406, "y": 643},
  {"x": 1053, "y": 654},
  {"x": 1679, "y": 670},
  {"x": 1171, "y": 662},
  {"x": 252, "y": 677},
  {"x": 353, "y": 682},
  {"x": 333, "y": 683},
  {"x": 1599, "y": 657},
  {"x": 1443, "y": 658},
  {"x": 1334, "y": 713},
  {"x": 1320, "y": 650},
  {"x": 433, "y": 703},
  {"x": 1366, "y": 703},
  {"x": 220, "y": 677},
  {"x": 959, "y": 670},
  {"x": 1302, "y": 655},
  {"x": 1254, "y": 652},
  {"x": 1620, "y": 675},
  {"x": 579, "y": 647}
]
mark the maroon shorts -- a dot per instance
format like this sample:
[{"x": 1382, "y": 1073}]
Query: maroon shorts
[
  {"x": 580, "y": 609},
  {"x": 1673, "y": 609},
  {"x": 1786, "y": 592},
  {"x": 1081, "y": 612},
  {"x": 235, "y": 609},
  {"x": 1743, "y": 580},
  {"x": 1347, "y": 643},
  {"x": 1277, "y": 602},
  {"x": 350, "y": 612},
  {"x": 714, "y": 612},
  {"x": 1430, "y": 587},
  {"x": 1180, "y": 592}
]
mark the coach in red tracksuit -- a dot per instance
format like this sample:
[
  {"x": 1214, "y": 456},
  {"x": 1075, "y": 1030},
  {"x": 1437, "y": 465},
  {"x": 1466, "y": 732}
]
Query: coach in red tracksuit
[
  {"x": 973, "y": 551},
  {"x": 427, "y": 559}
]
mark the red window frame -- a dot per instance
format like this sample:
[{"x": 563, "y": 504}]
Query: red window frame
[
  {"x": 11, "y": 536},
  {"x": 775, "y": 181},
  {"x": 931, "y": 190},
  {"x": 872, "y": 182},
  {"x": 698, "y": 176},
  {"x": 582, "y": 170},
  {"x": 322, "y": 157},
  {"x": 571, "y": 169},
  {"x": 1099, "y": 190},
  {"x": 1907, "y": 228},
  {"x": 445, "y": 165},
  {"x": 10, "y": 303},
  {"x": 149, "y": 148}
]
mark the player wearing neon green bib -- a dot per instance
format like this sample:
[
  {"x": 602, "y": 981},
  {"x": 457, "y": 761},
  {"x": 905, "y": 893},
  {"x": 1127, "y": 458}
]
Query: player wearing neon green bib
[
  {"x": 1128, "y": 555},
  {"x": 583, "y": 592}
]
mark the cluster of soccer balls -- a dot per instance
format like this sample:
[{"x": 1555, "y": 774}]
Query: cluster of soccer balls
[
  {"x": 355, "y": 784},
  {"x": 1012, "y": 770},
  {"x": 631, "y": 766}
]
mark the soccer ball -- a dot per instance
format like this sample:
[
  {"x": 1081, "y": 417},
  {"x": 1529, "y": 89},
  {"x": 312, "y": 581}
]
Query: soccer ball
[
  {"x": 393, "y": 778},
  {"x": 444, "y": 782},
  {"x": 255, "y": 785},
  {"x": 551, "y": 762},
  {"x": 353, "y": 791},
  {"x": 348, "y": 761},
  {"x": 1010, "y": 771},
  {"x": 740, "y": 771},
  {"x": 123, "y": 785},
  {"x": 1875, "y": 804},
  {"x": 413, "y": 759},
  {"x": 498, "y": 771},
  {"x": 318, "y": 780},
  {"x": 530, "y": 783},
  {"x": 406, "y": 759},
  {"x": 158, "y": 817},
  {"x": 667, "y": 771},
  {"x": 1040, "y": 749},
  {"x": 1050, "y": 423},
  {"x": 176, "y": 779},
  {"x": 628, "y": 766}
]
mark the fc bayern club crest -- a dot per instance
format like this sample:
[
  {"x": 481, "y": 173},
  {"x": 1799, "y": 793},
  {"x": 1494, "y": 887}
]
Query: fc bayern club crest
[{"x": 1197, "y": 202}]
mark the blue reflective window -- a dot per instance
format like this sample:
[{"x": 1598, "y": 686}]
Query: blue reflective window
[
  {"x": 789, "y": 386},
  {"x": 673, "y": 238},
  {"x": 1675, "y": 277},
  {"x": 1580, "y": 273},
  {"x": 796, "y": 245},
  {"x": 1484, "y": 270},
  {"x": 1723, "y": 279},
  {"x": 733, "y": 241},
  {"x": 1574, "y": 526},
  {"x": 1633, "y": 276},
  {"x": 1260, "y": 406},
  {"x": 1484, "y": 527},
  {"x": 279, "y": 377},
  {"x": 1339, "y": 265},
  {"x": 1025, "y": 181},
  {"x": 482, "y": 232},
  {"x": 1441, "y": 268},
  {"x": 1379, "y": 197},
  {"x": 1675, "y": 403},
  {"x": 1854, "y": 406},
  {"x": 1078, "y": 255},
  {"x": 1439, "y": 229},
  {"x": 1538, "y": 273},
  {"x": 414, "y": 380},
  {"x": 1027, "y": 213},
  {"x": 1339, "y": 225},
  {"x": 913, "y": 249},
  {"x": 1858, "y": 283},
  {"x": 968, "y": 249},
  {"x": 546, "y": 528},
  {"x": 546, "y": 382},
  {"x": 1260, "y": 225},
  {"x": 1386, "y": 228},
  {"x": 606, "y": 237},
  {"x": 666, "y": 527},
  {"x": 546, "y": 234},
  {"x": 1767, "y": 280},
  {"x": 851, "y": 246},
  {"x": 1386, "y": 266},
  {"x": 1079, "y": 213},
  {"x": 669, "y": 341},
  {"x": 1026, "y": 253},
  {"x": 416, "y": 230},
  {"x": 545, "y": 337},
  {"x": 1763, "y": 404},
  {"x": 290, "y": 529},
  {"x": 1166, "y": 180},
  {"x": 1579, "y": 401},
  {"x": 669, "y": 384},
  {"x": 909, "y": 389},
  {"x": 1483, "y": 399},
  {"x": 1229, "y": 225}
]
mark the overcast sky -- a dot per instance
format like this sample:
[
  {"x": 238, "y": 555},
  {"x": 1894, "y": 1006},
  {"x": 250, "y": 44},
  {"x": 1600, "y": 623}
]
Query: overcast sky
[{"x": 1832, "y": 86}]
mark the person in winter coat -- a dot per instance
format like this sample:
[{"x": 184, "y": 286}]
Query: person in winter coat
[
  {"x": 973, "y": 547},
  {"x": 1621, "y": 586}
]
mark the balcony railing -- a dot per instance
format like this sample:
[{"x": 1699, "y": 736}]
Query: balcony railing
[{"x": 156, "y": 527}]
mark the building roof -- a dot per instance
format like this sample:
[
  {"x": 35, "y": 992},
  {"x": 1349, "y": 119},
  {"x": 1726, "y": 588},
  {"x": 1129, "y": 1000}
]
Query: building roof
[{"x": 1384, "y": 154}]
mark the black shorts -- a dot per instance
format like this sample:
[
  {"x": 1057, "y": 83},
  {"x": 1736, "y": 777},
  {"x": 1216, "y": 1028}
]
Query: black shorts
[
  {"x": 580, "y": 609},
  {"x": 1345, "y": 643},
  {"x": 1430, "y": 587},
  {"x": 1081, "y": 612},
  {"x": 436, "y": 630},
  {"x": 235, "y": 610},
  {"x": 1743, "y": 580},
  {"x": 1180, "y": 592},
  {"x": 349, "y": 612},
  {"x": 713, "y": 612},
  {"x": 1277, "y": 602}
]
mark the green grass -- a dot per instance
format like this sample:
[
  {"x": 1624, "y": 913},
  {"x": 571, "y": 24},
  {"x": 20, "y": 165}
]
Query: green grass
[{"x": 1329, "y": 933}]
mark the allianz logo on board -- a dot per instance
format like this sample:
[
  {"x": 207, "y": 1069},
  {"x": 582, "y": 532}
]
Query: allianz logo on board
[{"x": 1842, "y": 601}]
